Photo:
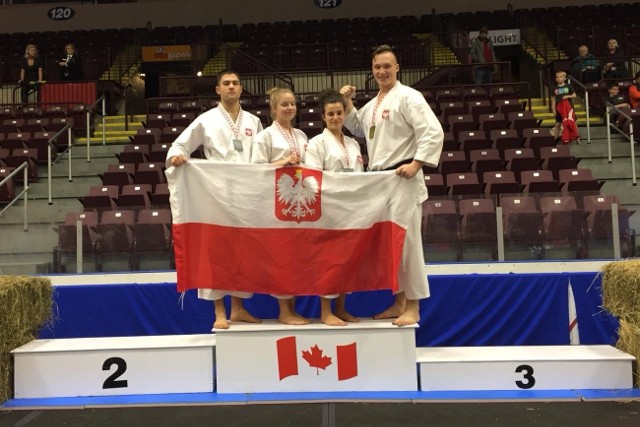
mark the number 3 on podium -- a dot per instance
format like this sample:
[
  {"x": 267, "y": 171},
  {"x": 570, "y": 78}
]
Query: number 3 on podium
[{"x": 527, "y": 374}]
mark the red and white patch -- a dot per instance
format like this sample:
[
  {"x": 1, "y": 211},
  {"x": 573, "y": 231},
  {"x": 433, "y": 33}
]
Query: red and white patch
[
  {"x": 385, "y": 114},
  {"x": 248, "y": 132},
  {"x": 298, "y": 194}
]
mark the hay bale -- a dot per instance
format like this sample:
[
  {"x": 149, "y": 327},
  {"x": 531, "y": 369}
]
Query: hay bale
[
  {"x": 629, "y": 342},
  {"x": 25, "y": 306},
  {"x": 621, "y": 297},
  {"x": 621, "y": 290}
]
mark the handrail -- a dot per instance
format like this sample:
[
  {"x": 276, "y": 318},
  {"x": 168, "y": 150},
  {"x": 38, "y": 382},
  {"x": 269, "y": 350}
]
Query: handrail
[
  {"x": 89, "y": 109},
  {"x": 25, "y": 167},
  {"x": 50, "y": 161},
  {"x": 630, "y": 136},
  {"x": 573, "y": 80}
]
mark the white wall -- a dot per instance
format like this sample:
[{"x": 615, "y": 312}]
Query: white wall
[{"x": 29, "y": 18}]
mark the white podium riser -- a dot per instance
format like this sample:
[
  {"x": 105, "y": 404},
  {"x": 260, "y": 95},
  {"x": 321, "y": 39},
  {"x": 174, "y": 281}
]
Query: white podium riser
[
  {"x": 275, "y": 358},
  {"x": 108, "y": 372},
  {"x": 519, "y": 368},
  {"x": 570, "y": 375}
]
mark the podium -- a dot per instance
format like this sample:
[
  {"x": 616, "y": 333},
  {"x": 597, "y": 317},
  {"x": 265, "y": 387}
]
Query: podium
[{"x": 371, "y": 355}]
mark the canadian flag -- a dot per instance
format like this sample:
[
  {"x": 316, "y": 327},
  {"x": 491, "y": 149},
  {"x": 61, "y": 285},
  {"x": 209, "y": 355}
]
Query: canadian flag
[
  {"x": 346, "y": 356},
  {"x": 287, "y": 231}
]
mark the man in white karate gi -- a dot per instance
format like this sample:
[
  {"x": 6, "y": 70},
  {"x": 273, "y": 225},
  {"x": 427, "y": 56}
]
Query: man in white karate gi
[{"x": 402, "y": 134}]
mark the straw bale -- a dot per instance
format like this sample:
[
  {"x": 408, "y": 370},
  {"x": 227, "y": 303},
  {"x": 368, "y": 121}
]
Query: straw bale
[
  {"x": 629, "y": 342},
  {"x": 621, "y": 290},
  {"x": 25, "y": 306}
]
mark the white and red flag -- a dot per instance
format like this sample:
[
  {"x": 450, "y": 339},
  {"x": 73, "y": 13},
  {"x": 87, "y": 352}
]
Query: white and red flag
[{"x": 287, "y": 231}]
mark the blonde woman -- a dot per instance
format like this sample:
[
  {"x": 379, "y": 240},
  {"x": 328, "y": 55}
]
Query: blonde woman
[
  {"x": 31, "y": 69},
  {"x": 282, "y": 145}
]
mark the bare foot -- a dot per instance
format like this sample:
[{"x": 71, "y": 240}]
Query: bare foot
[
  {"x": 242, "y": 315},
  {"x": 292, "y": 319},
  {"x": 394, "y": 311},
  {"x": 346, "y": 316},
  {"x": 221, "y": 323},
  {"x": 332, "y": 320},
  {"x": 410, "y": 315}
]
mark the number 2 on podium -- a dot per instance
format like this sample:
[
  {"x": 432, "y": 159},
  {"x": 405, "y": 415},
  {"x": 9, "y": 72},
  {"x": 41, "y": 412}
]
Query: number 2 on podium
[
  {"x": 527, "y": 374},
  {"x": 121, "y": 367}
]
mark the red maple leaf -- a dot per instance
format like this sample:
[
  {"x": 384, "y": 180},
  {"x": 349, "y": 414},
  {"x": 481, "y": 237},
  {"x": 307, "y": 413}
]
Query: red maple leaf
[{"x": 315, "y": 359}]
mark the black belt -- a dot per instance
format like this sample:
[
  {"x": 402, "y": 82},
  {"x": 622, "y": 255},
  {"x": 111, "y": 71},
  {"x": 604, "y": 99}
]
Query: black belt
[{"x": 397, "y": 165}]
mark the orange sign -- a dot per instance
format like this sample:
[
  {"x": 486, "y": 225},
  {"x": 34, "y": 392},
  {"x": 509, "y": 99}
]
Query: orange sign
[{"x": 166, "y": 53}]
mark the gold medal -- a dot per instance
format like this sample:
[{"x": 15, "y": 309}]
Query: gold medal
[{"x": 372, "y": 131}]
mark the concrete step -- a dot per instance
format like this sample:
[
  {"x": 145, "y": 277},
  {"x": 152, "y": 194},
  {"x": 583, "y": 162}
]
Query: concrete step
[
  {"x": 40, "y": 238},
  {"x": 38, "y": 212},
  {"x": 619, "y": 168}
]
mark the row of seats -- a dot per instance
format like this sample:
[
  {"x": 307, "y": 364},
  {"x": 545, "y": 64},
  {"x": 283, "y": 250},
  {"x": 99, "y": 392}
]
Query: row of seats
[
  {"x": 35, "y": 111},
  {"x": 116, "y": 231},
  {"x": 534, "y": 222},
  {"x": 506, "y": 182},
  {"x": 120, "y": 192}
]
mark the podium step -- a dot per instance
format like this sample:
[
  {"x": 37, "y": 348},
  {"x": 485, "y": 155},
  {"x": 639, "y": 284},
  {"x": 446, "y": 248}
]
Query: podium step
[
  {"x": 114, "y": 366},
  {"x": 524, "y": 368},
  {"x": 371, "y": 355}
]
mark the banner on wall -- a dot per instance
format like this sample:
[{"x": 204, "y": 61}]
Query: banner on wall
[
  {"x": 501, "y": 37},
  {"x": 166, "y": 53}
]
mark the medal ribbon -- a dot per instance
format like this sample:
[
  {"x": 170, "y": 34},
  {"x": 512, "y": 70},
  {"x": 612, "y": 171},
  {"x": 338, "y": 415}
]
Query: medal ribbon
[
  {"x": 288, "y": 136},
  {"x": 235, "y": 127}
]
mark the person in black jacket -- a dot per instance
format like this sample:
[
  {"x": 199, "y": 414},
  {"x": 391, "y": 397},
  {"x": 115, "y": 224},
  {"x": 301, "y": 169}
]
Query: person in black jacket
[
  {"x": 31, "y": 69},
  {"x": 70, "y": 66}
]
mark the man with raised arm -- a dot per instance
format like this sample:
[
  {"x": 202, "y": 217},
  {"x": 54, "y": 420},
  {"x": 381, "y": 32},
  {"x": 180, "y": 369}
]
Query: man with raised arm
[{"x": 402, "y": 134}]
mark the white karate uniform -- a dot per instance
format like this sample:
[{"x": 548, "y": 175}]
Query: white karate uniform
[
  {"x": 326, "y": 153},
  {"x": 214, "y": 132},
  {"x": 270, "y": 145},
  {"x": 405, "y": 129}
]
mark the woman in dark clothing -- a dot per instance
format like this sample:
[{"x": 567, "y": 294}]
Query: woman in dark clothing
[
  {"x": 31, "y": 68},
  {"x": 614, "y": 64}
]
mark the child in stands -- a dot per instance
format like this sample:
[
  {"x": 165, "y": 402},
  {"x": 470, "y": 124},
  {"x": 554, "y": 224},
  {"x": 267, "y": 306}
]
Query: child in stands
[{"x": 562, "y": 91}]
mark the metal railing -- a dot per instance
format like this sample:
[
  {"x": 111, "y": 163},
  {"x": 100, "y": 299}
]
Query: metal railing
[
  {"x": 50, "y": 161},
  {"x": 89, "y": 110},
  {"x": 25, "y": 168},
  {"x": 585, "y": 98},
  {"x": 621, "y": 113}
]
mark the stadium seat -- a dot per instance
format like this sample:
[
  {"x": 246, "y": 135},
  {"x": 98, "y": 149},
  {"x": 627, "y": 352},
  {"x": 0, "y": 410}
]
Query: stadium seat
[
  {"x": 463, "y": 184},
  {"x": 152, "y": 233},
  {"x": 146, "y": 137},
  {"x": 435, "y": 185},
  {"x": 119, "y": 174},
  {"x": 505, "y": 139},
  {"x": 522, "y": 220},
  {"x": 556, "y": 158},
  {"x": 478, "y": 228},
  {"x": 521, "y": 159},
  {"x": 453, "y": 162},
  {"x": 500, "y": 182},
  {"x": 67, "y": 236},
  {"x": 114, "y": 234},
  {"x": 485, "y": 160},
  {"x": 135, "y": 196},
  {"x": 563, "y": 222},
  {"x": 100, "y": 197},
  {"x": 149, "y": 173},
  {"x": 537, "y": 138},
  {"x": 578, "y": 180},
  {"x": 471, "y": 140},
  {"x": 440, "y": 227},
  {"x": 539, "y": 181}
]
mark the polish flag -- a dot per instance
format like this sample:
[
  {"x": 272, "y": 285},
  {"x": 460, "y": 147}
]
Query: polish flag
[
  {"x": 346, "y": 355},
  {"x": 287, "y": 231}
]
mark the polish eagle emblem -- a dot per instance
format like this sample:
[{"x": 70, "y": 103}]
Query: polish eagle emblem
[{"x": 297, "y": 196}]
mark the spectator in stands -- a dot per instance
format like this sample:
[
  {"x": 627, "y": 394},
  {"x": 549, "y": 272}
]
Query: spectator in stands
[
  {"x": 618, "y": 100},
  {"x": 31, "y": 69},
  {"x": 634, "y": 91},
  {"x": 482, "y": 53},
  {"x": 614, "y": 65},
  {"x": 585, "y": 66},
  {"x": 562, "y": 91},
  {"x": 70, "y": 65},
  {"x": 333, "y": 150},
  {"x": 226, "y": 133},
  {"x": 403, "y": 134},
  {"x": 282, "y": 145}
]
